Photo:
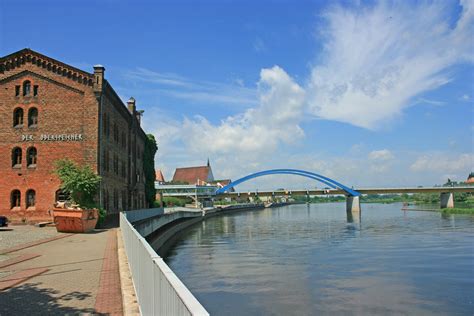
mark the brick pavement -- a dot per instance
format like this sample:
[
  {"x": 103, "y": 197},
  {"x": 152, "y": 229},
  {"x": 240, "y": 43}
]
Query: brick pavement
[
  {"x": 80, "y": 268},
  {"x": 109, "y": 296},
  {"x": 16, "y": 235}
]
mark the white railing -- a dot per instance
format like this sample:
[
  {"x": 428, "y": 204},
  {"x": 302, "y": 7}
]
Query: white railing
[
  {"x": 137, "y": 215},
  {"x": 158, "y": 289}
]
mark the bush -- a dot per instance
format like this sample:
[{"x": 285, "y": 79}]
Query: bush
[
  {"x": 170, "y": 201},
  {"x": 80, "y": 182},
  {"x": 102, "y": 216}
]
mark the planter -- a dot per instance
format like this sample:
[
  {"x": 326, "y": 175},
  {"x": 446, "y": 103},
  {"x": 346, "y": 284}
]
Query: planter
[{"x": 75, "y": 221}]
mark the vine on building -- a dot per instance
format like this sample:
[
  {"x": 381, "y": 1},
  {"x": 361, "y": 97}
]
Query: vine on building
[{"x": 149, "y": 168}]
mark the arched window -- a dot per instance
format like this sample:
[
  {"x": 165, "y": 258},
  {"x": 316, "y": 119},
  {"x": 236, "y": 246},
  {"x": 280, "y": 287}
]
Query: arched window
[
  {"x": 32, "y": 117},
  {"x": 30, "y": 198},
  {"x": 15, "y": 198},
  {"x": 26, "y": 88},
  {"x": 31, "y": 157},
  {"x": 16, "y": 157},
  {"x": 18, "y": 117}
]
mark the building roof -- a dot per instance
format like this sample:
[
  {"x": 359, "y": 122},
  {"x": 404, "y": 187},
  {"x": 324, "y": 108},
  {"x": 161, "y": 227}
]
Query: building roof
[
  {"x": 27, "y": 55},
  {"x": 159, "y": 176},
  {"x": 193, "y": 175}
]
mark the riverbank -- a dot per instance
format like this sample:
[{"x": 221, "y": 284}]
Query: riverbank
[
  {"x": 455, "y": 210},
  {"x": 417, "y": 198}
]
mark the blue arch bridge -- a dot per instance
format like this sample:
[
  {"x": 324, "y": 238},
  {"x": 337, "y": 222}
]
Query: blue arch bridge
[{"x": 206, "y": 192}]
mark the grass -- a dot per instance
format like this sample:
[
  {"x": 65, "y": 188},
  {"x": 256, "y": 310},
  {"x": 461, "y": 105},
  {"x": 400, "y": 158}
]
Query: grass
[{"x": 457, "y": 210}]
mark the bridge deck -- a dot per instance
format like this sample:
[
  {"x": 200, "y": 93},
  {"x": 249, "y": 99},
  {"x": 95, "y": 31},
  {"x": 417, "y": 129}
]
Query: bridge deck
[{"x": 341, "y": 192}]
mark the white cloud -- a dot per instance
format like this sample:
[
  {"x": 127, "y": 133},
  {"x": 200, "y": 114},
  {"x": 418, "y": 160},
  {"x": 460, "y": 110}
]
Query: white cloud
[
  {"x": 258, "y": 130},
  {"x": 194, "y": 90},
  {"x": 258, "y": 45},
  {"x": 466, "y": 97},
  {"x": 377, "y": 59},
  {"x": 380, "y": 155},
  {"x": 444, "y": 163},
  {"x": 380, "y": 160}
]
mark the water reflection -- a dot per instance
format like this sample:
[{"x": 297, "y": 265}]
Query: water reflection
[{"x": 310, "y": 259}]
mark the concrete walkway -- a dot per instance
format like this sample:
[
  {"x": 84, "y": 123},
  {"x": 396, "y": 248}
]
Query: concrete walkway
[{"x": 71, "y": 275}]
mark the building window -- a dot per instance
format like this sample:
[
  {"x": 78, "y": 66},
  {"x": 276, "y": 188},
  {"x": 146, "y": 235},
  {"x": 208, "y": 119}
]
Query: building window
[
  {"x": 104, "y": 123},
  {"x": 31, "y": 157},
  {"x": 124, "y": 200},
  {"x": 116, "y": 133},
  {"x": 107, "y": 127},
  {"x": 124, "y": 141},
  {"x": 30, "y": 198},
  {"x": 116, "y": 198},
  {"x": 35, "y": 91},
  {"x": 17, "y": 91},
  {"x": 26, "y": 88},
  {"x": 15, "y": 198},
  {"x": 62, "y": 196},
  {"x": 116, "y": 164},
  {"x": 33, "y": 117},
  {"x": 105, "y": 199},
  {"x": 124, "y": 172},
  {"x": 16, "y": 157},
  {"x": 18, "y": 117}
]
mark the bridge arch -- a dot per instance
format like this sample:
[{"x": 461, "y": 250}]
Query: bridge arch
[{"x": 329, "y": 182}]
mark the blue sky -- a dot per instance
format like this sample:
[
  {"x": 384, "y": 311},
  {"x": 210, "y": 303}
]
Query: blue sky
[{"x": 370, "y": 93}]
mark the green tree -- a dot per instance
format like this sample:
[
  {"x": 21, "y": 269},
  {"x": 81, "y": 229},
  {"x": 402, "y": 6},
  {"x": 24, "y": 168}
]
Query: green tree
[
  {"x": 79, "y": 181},
  {"x": 149, "y": 168}
]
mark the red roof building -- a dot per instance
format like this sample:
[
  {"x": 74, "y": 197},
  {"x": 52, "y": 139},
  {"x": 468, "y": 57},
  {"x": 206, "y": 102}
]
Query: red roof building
[
  {"x": 470, "y": 178},
  {"x": 159, "y": 176},
  {"x": 200, "y": 175}
]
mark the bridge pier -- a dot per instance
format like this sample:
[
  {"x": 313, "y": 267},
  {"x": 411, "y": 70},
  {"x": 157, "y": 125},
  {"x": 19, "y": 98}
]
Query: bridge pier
[
  {"x": 353, "y": 209},
  {"x": 447, "y": 200}
]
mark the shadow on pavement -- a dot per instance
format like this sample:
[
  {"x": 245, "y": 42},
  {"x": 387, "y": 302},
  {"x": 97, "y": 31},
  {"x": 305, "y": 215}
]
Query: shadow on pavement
[{"x": 29, "y": 299}]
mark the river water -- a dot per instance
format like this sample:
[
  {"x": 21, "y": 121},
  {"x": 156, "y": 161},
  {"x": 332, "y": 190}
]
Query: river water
[{"x": 308, "y": 260}]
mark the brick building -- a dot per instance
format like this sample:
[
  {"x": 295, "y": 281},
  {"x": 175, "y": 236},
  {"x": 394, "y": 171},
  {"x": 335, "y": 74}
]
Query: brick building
[
  {"x": 50, "y": 110},
  {"x": 200, "y": 175}
]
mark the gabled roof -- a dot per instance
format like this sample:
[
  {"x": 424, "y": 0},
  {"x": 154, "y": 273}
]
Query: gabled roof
[
  {"x": 193, "y": 175},
  {"x": 27, "y": 55},
  {"x": 159, "y": 176}
]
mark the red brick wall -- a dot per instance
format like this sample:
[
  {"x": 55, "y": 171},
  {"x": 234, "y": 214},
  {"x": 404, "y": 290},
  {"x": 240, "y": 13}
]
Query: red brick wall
[{"x": 65, "y": 106}]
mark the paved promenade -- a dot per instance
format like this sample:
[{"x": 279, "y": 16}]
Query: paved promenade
[{"x": 58, "y": 274}]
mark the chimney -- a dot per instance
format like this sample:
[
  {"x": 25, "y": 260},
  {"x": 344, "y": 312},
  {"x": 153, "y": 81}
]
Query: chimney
[
  {"x": 131, "y": 106},
  {"x": 139, "y": 116},
  {"x": 99, "y": 71}
]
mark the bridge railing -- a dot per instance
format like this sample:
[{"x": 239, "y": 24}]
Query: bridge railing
[{"x": 158, "y": 289}]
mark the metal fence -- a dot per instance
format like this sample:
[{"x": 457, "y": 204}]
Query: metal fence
[
  {"x": 137, "y": 215},
  {"x": 158, "y": 289}
]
